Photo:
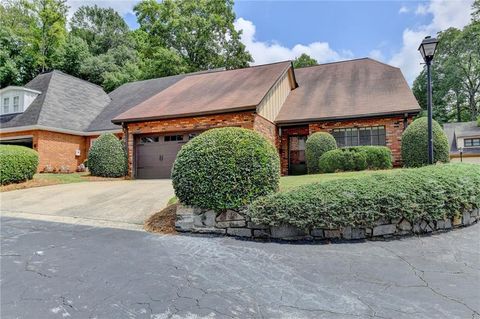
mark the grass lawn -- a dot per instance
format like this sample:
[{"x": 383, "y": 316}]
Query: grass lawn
[
  {"x": 45, "y": 179},
  {"x": 289, "y": 182}
]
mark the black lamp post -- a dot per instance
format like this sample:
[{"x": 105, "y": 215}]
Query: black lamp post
[{"x": 427, "y": 50}]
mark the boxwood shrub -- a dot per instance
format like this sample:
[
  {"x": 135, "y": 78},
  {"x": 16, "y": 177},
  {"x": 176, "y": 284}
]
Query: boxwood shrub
[
  {"x": 429, "y": 193},
  {"x": 356, "y": 158},
  {"x": 225, "y": 168},
  {"x": 107, "y": 157},
  {"x": 317, "y": 144},
  {"x": 415, "y": 144},
  {"x": 17, "y": 164}
]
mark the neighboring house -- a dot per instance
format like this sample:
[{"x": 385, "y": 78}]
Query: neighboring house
[
  {"x": 361, "y": 102},
  {"x": 60, "y": 116},
  {"x": 464, "y": 141}
]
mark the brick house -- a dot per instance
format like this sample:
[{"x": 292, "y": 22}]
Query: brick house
[{"x": 361, "y": 102}]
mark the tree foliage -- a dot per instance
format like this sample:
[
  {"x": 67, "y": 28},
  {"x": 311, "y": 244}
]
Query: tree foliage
[
  {"x": 455, "y": 74},
  {"x": 175, "y": 36},
  {"x": 304, "y": 60}
]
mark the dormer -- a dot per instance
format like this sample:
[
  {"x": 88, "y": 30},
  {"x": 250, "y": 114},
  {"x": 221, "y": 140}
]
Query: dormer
[{"x": 16, "y": 99}]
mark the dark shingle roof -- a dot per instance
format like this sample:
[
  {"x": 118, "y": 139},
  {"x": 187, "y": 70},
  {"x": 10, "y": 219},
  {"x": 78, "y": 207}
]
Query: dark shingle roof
[
  {"x": 127, "y": 96},
  {"x": 461, "y": 129},
  {"x": 354, "y": 88},
  {"x": 209, "y": 93},
  {"x": 66, "y": 102}
]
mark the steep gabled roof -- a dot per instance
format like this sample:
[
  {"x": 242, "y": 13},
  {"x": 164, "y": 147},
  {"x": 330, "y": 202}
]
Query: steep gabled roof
[
  {"x": 127, "y": 96},
  {"x": 347, "y": 89},
  {"x": 66, "y": 102},
  {"x": 209, "y": 93},
  {"x": 461, "y": 129}
]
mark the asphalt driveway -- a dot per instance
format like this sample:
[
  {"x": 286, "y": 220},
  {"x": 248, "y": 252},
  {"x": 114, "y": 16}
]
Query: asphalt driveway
[
  {"x": 128, "y": 202},
  {"x": 53, "y": 270}
]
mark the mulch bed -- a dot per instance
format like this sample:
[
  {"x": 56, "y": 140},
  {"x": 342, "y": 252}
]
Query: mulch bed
[{"x": 163, "y": 221}]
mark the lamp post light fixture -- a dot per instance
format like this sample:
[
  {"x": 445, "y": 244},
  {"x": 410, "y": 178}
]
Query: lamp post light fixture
[
  {"x": 461, "y": 153},
  {"x": 427, "y": 50}
]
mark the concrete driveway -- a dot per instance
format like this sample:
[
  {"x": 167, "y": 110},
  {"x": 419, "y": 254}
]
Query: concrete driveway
[
  {"x": 112, "y": 202},
  {"x": 53, "y": 270}
]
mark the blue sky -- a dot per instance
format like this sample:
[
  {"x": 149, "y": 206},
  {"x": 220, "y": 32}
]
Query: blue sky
[{"x": 389, "y": 31}]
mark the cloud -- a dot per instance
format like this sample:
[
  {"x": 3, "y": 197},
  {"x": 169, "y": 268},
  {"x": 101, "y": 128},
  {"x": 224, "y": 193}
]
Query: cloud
[
  {"x": 123, "y": 7},
  {"x": 446, "y": 14},
  {"x": 422, "y": 9},
  {"x": 267, "y": 52},
  {"x": 404, "y": 9},
  {"x": 377, "y": 55}
]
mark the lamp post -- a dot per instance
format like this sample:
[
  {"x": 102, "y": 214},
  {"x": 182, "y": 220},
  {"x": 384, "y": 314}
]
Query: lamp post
[{"x": 427, "y": 50}]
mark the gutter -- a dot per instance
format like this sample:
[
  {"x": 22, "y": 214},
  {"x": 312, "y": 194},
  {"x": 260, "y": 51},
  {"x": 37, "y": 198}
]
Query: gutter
[{"x": 55, "y": 129}]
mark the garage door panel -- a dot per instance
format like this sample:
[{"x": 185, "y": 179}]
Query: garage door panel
[{"x": 155, "y": 154}]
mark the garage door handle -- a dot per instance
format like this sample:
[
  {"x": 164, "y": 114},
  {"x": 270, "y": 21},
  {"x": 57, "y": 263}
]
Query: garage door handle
[{"x": 160, "y": 158}]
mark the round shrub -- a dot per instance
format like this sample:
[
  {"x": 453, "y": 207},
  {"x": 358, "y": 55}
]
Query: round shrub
[
  {"x": 378, "y": 157},
  {"x": 343, "y": 159},
  {"x": 225, "y": 168},
  {"x": 317, "y": 144},
  {"x": 107, "y": 157},
  {"x": 17, "y": 164},
  {"x": 415, "y": 144}
]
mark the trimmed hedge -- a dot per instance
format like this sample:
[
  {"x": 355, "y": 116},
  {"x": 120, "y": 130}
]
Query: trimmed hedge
[
  {"x": 415, "y": 144},
  {"x": 17, "y": 164},
  {"x": 225, "y": 168},
  {"x": 317, "y": 144},
  {"x": 429, "y": 193},
  {"x": 107, "y": 157},
  {"x": 356, "y": 158}
]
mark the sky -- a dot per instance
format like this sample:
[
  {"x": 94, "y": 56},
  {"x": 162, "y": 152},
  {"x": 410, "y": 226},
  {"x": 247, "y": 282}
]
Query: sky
[{"x": 388, "y": 31}]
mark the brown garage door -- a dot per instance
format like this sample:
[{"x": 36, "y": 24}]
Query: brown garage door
[{"x": 155, "y": 154}]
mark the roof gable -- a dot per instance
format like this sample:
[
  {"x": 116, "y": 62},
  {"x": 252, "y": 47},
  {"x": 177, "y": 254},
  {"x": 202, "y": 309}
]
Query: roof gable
[
  {"x": 210, "y": 93},
  {"x": 354, "y": 88}
]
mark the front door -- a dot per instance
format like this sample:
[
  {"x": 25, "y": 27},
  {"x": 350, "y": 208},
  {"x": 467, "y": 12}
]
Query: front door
[{"x": 296, "y": 155}]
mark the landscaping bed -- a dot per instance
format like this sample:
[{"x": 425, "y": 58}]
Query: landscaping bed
[{"x": 401, "y": 202}]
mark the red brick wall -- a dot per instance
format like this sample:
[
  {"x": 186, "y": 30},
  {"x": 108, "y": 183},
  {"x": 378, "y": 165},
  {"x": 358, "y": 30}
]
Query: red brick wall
[
  {"x": 266, "y": 128},
  {"x": 198, "y": 123},
  {"x": 394, "y": 127},
  {"x": 55, "y": 149}
]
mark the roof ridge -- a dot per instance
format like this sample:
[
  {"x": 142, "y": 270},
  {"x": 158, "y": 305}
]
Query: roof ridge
[
  {"x": 74, "y": 77},
  {"x": 346, "y": 61}
]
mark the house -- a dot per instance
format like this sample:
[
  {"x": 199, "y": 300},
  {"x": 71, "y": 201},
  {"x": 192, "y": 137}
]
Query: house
[
  {"x": 361, "y": 102},
  {"x": 464, "y": 141}
]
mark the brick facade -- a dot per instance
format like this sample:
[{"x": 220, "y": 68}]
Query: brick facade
[
  {"x": 394, "y": 127},
  {"x": 55, "y": 149}
]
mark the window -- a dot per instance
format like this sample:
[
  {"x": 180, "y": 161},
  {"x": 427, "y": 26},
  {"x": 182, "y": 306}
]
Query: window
[
  {"x": 16, "y": 106},
  {"x": 6, "y": 102},
  {"x": 149, "y": 139},
  {"x": 373, "y": 135},
  {"x": 472, "y": 142},
  {"x": 173, "y": 138}
]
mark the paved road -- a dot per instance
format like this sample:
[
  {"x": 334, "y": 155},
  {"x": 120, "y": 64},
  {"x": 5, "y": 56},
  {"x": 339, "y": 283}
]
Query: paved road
[
  {"x": 113, "y": 201},
  {"x": 53, "y": 270}
]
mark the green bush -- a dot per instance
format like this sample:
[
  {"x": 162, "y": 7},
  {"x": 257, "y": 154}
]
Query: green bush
[
  {"x": 428, "y": 193},
  {"x": 225, "y": 168},
  {"x": 377, "y": 157},
  {"x": 107, "y": 157},
  {"x": 17, "y": 164},
  {"x": 415, "y": 144},
  {"x": 343, "y": 159},
  {"x": 317, "y": 144}
]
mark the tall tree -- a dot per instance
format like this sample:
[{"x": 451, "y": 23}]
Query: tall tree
[
  {"x": 304, "y": 60},
  {"x": 72, "y": 55},
  {"x": 201, "y": 32},
  {"x": 102, "y": 28}
]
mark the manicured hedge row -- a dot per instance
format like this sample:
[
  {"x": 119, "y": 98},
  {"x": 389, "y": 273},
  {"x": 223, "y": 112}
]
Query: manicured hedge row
[
  {"x": 430, "y": 193},
  {"x": 356, "y": 158},
  {"x": 225, "y": 168},
  {"x": 107, "y": 157},
  {"x": 318, "y": 144},
  {"x": 17, "y": 164}
]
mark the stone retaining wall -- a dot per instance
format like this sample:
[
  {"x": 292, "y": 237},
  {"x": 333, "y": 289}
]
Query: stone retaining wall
[{"x": 235, "y": 223}]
